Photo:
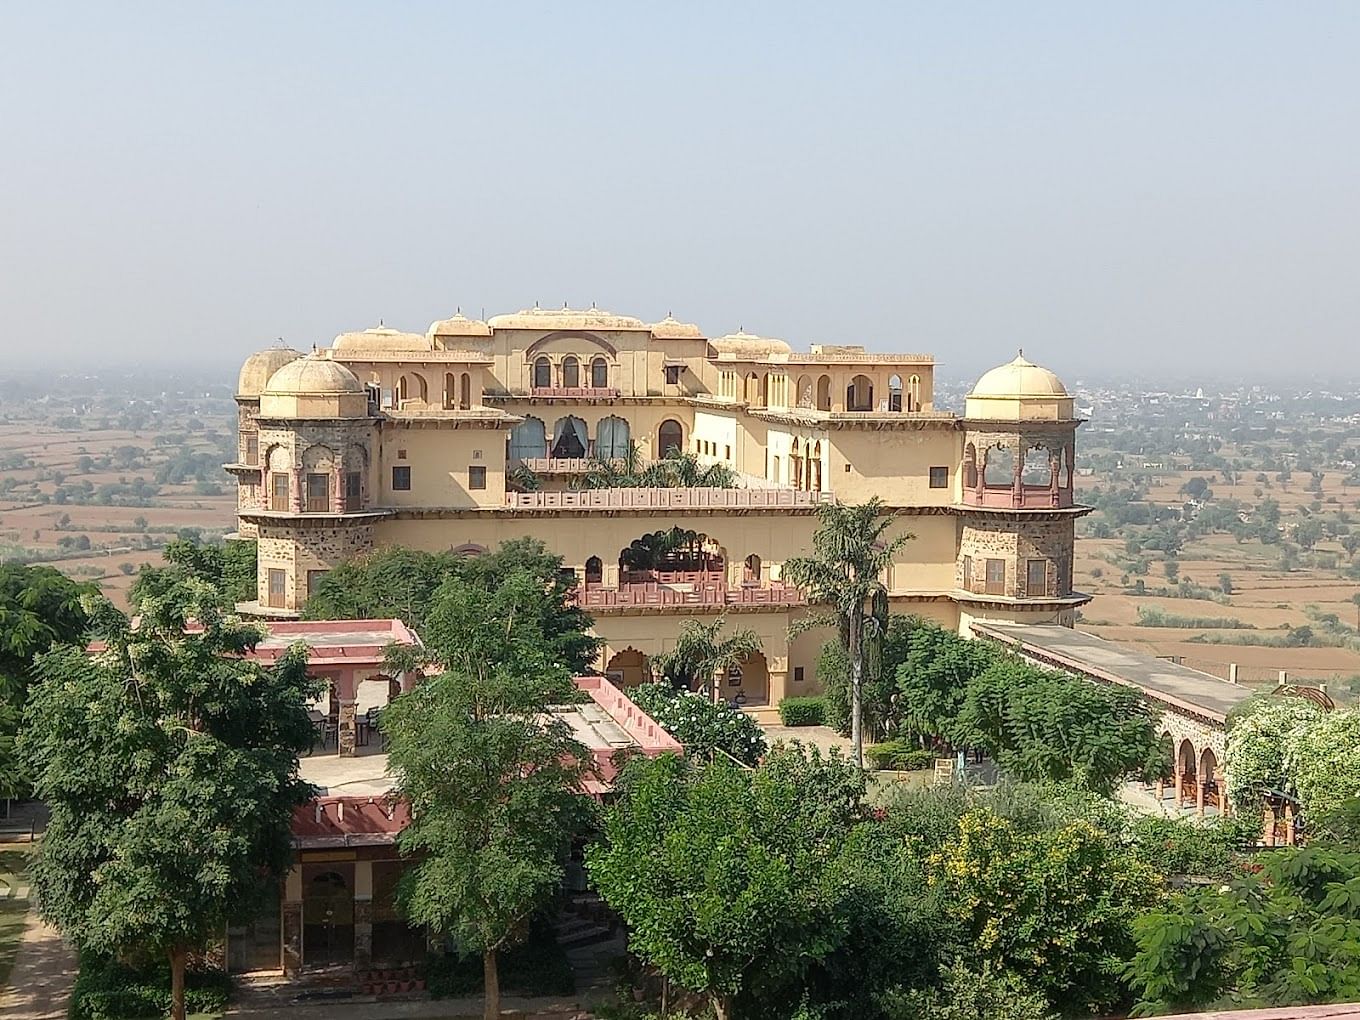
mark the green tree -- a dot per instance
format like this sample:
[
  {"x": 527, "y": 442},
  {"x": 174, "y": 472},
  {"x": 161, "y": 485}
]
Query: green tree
[
  {"x": 703, "y": 655},
  {"x": 170, "y": 765},
  {"x": 492, "y": 776},
  {"x": 732, "y": 882},
  {"x": 229, "y": 567},
  {"x": 701, "y": 724},
  {"x": 851, "y": 549}
]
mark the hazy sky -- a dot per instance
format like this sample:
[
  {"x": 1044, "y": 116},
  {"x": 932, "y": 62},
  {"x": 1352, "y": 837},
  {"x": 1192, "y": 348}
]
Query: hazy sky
[{"x": 1112, "y": 186}]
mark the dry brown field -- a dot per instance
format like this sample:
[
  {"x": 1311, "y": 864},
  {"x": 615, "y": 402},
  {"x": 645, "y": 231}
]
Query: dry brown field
[
  {"x": 1264, "y": 595},
  {"x": 116, "y": 533}
]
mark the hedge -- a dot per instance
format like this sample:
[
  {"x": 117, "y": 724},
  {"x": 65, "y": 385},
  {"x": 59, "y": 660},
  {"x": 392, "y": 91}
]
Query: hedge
[
  {"x": 538, "y": 966},
  {"x": 106, "y": 989},
  {"x": 897, "y": 756},
  {"x": 810, "y": 711}
]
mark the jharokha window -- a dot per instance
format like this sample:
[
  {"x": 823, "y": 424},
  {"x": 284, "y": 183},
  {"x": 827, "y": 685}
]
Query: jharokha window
[
  {"x": 996, "y": 577},
  {"x": 278, "y": 492},
  {"x": 318, "y": 493},
  {"x": 354, "y": 490}
]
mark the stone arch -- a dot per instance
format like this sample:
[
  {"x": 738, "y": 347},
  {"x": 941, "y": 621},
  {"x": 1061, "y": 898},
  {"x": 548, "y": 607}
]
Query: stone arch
[
  {"x": 998, "y": 466},
  {"x": 571, "y": 371},
  {"x": 751, "y": 388},
  {"x": 318, "y": 457},
  {"x": 859, "y": 395},
  {"x": 824, "y": 393},
  {"x": 895, "y": 393},
  {"x": 542, "y": 373},
  {"x": 748, "y": 682},
  {"x": 413, "y": 387},
  {"x": 594, "y": 572},
  {"x": 914, "y": 393},
  {"x": 599, "y": 373},
  {"x": 570, "y": 439},
  {"x": 572, "y": 334},
  {"x": 465, "y": 391},
  {"x": 751, "y": 570},
  {"x": 1067, "y": 454},
  {"x": 796, "y": 463},
  {"x": 673, "y": 550},
  {"x": 970, "y": 467},
  {"x": 805, "y": 394},
  {"x": 815, "y": 467},
  {"x": 528, "y": 439},
  {"x": 1039, "y": 468},
  {"x": 278, "y": 457},
  {"x": 469, "y": 549},
  {"x": 670, "y": 436},
  {"x": 628, "y": 668},
  {"x": 612, "y": 436}
]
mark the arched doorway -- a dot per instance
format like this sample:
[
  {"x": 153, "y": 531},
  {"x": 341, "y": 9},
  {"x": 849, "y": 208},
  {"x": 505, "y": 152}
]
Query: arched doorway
[
  {"x": 594, "y": 572},
  {"x": 751, "y": 571},
  {"x": 569, "y": 438},
  {"x": 1186, "y": 762},
  {"x": 895, "y": 393},
  {"x": 628, "y": 668},
  {"x": 1208, "y": 777},
  {"x": 327, "y": 915},
  {"x": 670, "y": 438},
  {"x": 748, "y": 683},
  {"x": 859, "y": 395},
  {"x": 464, "y": 392},
  {"x": 815, "y": 467},
  {"x": 611, "y": 438},
  {"x": 450, "y": 391},
  {"x": 824, "y": 393},
  {"x": 527, "y": 440}
]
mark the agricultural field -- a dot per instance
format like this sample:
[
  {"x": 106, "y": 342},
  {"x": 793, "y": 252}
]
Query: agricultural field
[{"x": 94, "y": 481}]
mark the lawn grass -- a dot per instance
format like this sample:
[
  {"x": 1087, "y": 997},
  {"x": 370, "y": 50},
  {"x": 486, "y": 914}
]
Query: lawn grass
[{"x": 13, "y": 908}]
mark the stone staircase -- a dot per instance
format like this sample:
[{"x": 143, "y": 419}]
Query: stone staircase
[{"x": 764, "y": 715}]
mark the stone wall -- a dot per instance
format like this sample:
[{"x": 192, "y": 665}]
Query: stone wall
[
  {"x": 984, "y": 537},
  {"x": 297, "y": 549}
]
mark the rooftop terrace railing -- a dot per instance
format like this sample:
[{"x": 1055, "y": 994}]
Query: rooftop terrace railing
[
  {"x": 589, "y": 392},
  {"x": 668, "y": 499},
  {"x": 636, "y": 596}
]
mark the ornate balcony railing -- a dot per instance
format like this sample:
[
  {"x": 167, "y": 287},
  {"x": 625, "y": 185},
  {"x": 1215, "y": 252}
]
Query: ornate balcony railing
[
  {"x": 585, "y": 392},
  {"x": 668, "y": 499},
  {"x": 642, "y": 596}
]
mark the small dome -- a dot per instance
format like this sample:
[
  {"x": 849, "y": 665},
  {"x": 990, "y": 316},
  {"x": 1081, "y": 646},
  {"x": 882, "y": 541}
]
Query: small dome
[
  {"x": 380, "y": 338},
  {"x": 260, "y": 366},
  {"x": 459, "y": 325},
  {"x": 313, "y": 375},
  {"x": 748, "y": 345},
  {"x": 1019, "y": 390},
  {"x": 671, "y": 328},
  {"x": 564, "y": 318}
]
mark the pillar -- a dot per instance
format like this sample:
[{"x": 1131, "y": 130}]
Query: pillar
[
  {"x": 1201, "y": 784},
  {"x": 346, "y": 738},
  {"x": 337, "y": 490},
  {"x": 292, "y": 921},
  {"x": 1161, "y": 789},
  {"x": 778, "y": 680},
  {"x": 363, "y": 915},
  {"x": 1268, "y": 825},
  {"x": 295, "y": 497},
  {"x": 1288, "y": 824}
]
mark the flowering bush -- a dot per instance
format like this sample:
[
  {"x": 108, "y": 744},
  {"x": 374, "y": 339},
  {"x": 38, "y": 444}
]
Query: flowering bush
[{"x": 700, "y": 724}]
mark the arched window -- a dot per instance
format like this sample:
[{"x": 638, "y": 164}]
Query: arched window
[
  {"x": 859, "y": 395},
  {"x": 824, "y": 393},
  {"x": 1038, "y": 468},
  {"x": 599, "y": 373},
  {"x": 751, "y": 573},
  {"x": 670, "y": 438},
  {"x": 914, "y": 393},
  {"x": 569, "y": 438},
  {"x": 528, "y": 440},
  {"x": 465, "y": 391},
  {"x": 611, "y": 438},
  {"x": 594, "y": 572},
  {"x": 542, "y": 373},
  {"x": 998, "y": 467},
  {"x": 571, "y": 371},
  {"x": 450, "y": 391},
  {"x": 411, "y": 387},
  {"x": 895, "y": 393},
  {"x": 970, "y": 470},
  {"x": 815, "y": 467}
]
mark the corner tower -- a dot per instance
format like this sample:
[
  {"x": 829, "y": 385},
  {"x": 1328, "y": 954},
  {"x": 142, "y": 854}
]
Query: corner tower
[{"x": 1017, "y": 511}]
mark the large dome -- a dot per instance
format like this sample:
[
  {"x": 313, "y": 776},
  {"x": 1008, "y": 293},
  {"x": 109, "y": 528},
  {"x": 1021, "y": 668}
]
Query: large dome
[
  {"x": 1018, "y": 390},
  {"x": 260, "y": 366},
  {"x": 459, "y": 325},
  {"x": 671, "y": 328},
  {"x": 313, "y": 375}
]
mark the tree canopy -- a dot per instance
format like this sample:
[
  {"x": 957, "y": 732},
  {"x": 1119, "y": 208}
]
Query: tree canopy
[
  {"x": 229, "y": 567},
  {"x": 169, "y": 763}
]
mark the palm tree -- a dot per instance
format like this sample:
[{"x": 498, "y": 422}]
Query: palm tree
[
  {"x": 850, "y": 552},
  {"x": 702, "y": 652}
]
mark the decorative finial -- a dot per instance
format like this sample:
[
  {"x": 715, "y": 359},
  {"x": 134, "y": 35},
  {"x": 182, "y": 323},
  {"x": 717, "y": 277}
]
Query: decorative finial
[
  {"x": 458, "y": 310},
  {"x": 564, "y": 306},
  {"x": 535, "y": 304},
  {"x": 381, "y": 324},
  {"x": 1022, "y": 351}
]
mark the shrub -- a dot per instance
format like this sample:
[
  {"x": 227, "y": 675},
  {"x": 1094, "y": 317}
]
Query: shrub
[
  {"x": 106, "y": 989},
  {"x": 537, "y": 966},
  {"x": 700, "y": 724},
  {"x": 898, "y": 756},
  {"x": 803, "y": 711}
]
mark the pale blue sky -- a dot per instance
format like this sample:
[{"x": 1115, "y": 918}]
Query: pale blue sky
[{"x": 1109, "y": 185}]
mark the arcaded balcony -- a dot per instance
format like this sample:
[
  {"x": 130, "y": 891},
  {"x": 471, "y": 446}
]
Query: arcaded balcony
[
  {"x": 576, "y": 392},
  {"x": 667, "y": 596},
  {"x": 668, "y": 499},
  {"x": 1018, "y": 473}
]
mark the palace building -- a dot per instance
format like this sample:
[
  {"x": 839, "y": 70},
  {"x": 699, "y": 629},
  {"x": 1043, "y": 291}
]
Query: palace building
[{"x": 476, "y": 432}]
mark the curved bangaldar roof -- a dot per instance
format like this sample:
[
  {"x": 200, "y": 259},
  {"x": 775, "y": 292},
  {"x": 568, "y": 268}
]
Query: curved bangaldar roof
[
  {"x": 459, "y": 325},
  {"x": 313, "y": 375},
  {"x": 565, "y": 318},
  {"x": 260, "y": 366},
  {"x": 1019, "y": 390},
  {"x": 380, "y": 338},
  {"x": 748, "y": 345},
  {"x": 671, "y": 328}
]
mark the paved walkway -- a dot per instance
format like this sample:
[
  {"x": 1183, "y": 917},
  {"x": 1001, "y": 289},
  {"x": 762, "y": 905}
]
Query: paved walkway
[{"x": 40, "y": 983}]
